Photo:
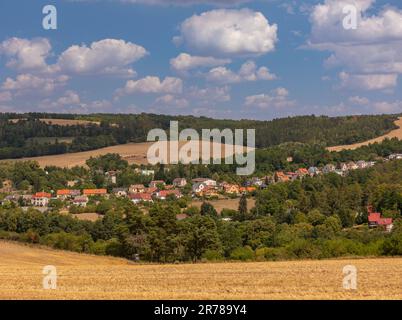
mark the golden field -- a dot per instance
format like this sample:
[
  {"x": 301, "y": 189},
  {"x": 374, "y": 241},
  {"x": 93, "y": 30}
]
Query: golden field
[
  {"x": 231, "y": 204},
  {"x": 90, "y": 277},
  {"x": 63, "y": 122},
  {"x": 134, "y": 153},
  {"x": 397, "y": 133}
]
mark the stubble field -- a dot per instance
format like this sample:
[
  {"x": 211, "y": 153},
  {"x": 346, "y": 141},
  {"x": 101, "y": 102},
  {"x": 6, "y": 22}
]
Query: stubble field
[
  {"x": 134, "y": 153},
  {"x": 397, "y": 133},
  {"x": 91, "y": 277}
]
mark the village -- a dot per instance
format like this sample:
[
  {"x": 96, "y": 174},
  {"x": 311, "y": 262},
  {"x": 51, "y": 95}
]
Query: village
[{"x": 200, "y": 189}]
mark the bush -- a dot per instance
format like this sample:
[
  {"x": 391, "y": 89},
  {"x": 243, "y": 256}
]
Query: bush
[
  {"x": 303, "y": 249},
  {"x": 275, "y": 254},
  {"x": 242, "y": 253},
  {"x": 66, "y": 241},
  {"x": 192, "y": 210},
  {"x": 99, "y": 247},
  {"x": 228, "y": 213},
  {"x": 212, "y": 255},
  {"x": 114, "y": 248},
  {"x": 7, "y": 235},
  {"x": 393, "y": 246},
  {"x": 30, "y": 236}
]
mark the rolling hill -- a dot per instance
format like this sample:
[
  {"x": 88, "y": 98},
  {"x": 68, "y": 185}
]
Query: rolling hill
[
  {"x": 397, "y": 133},
  {"x": 88, "y": 277},
  {"x": 26, "y": 137}
]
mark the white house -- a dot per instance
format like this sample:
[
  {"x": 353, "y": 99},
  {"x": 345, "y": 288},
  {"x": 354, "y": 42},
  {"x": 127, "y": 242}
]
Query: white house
[
  {"x": 198, "y": 187},
  {"x": 179, "y": 182},
  {"x": 312, "y": 171},
  {"x": 206, "y": 181},
  {"x": 41, "y": 199},
  {"x": 361, "y": 164},
  {"x": 328, "y": 168},
  {"x": 80, "y": 201}
]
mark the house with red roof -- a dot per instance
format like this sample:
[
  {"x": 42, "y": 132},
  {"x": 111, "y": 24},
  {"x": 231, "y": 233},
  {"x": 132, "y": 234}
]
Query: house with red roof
[
  {"x": 41, "y": 199},
  {"x": 140, "y": 197},
  {"x": 151, "y": 190},
  {"x": 67, "y": 193},
  {"x": 302, "y": 172},
  {"x": 163, "y": 194},
  {"x": 136, "y": 188},
  {"x": 280, "y": 176},
  {"x": 376, "y": 220},
  {"x": 292, "y": 176}
]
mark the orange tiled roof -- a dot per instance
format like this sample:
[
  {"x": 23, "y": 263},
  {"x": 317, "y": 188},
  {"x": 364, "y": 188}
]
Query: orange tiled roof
[
  {"x": 63, "y": 192},
  {"x": 94, "y": 191},
  {"x": 247, "y": 189},
  {"x": 43, "y": 195}
]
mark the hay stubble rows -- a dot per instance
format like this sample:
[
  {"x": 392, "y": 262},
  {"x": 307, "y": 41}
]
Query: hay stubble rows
[{"x": 91, "y": 277}]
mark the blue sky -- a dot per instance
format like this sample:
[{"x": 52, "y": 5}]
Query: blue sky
[{"x": 225, "y": 58}]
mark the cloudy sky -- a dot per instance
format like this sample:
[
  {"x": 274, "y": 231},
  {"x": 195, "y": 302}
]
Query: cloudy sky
[{"x": 235, "y": 59}]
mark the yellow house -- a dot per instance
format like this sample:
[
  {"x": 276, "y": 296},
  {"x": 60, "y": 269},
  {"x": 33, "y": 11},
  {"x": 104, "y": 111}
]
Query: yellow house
[{"x": 231, "y": 188}]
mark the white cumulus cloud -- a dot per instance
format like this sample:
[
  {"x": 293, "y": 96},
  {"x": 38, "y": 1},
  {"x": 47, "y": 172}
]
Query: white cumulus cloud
[
  {"x": 25, "y": 54},
  {"x": 28, "y": 83},
  {"x": 228, "y": 32},
  {"x": 278, "y": 98},
  {"x": 108, "y": 56},
  {"x": 152, "y": 84},
  {"x": 357, "y": 100},
  {"x": 371, "y": 51},
  {"x": 184, "y": 62},
  {"x": 248, "y": 72},
  {"x": 368, "y": 81},
  {"x": 170, "y": 100}
]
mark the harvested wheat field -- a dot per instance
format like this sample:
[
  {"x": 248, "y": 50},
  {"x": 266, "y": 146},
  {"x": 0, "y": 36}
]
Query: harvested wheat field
[
  {"x": 63, "y": 122},
  {"x": 69, "y": 122},
  {"x": 231, "y": 204},
  {"x": 93, "y": 216},
  {"x": 132, "y": 152},
  {"x": 90, "y": 277},
  {"x": 397, "y": 133}
]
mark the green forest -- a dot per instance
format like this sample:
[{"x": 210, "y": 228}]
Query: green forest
[{"x": 22, "y": 138}]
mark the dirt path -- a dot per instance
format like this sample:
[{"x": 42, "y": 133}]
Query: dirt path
[{"x": 397, "y": 133}]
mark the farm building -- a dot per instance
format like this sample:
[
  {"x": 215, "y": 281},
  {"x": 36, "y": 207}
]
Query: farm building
[{"x": 375, "y": 220}]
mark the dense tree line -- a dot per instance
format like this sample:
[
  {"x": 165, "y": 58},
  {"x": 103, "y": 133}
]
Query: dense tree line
[{"x": 16, "y": 137}]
